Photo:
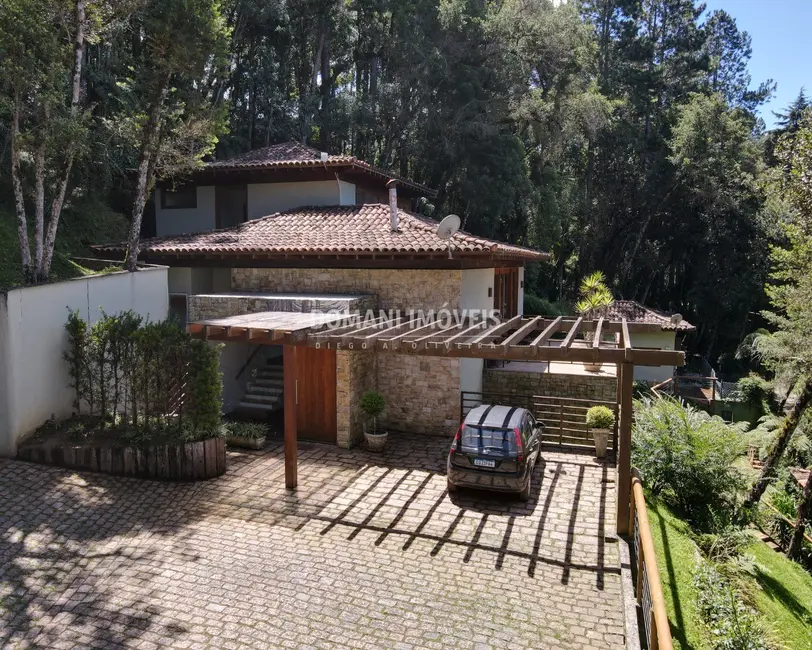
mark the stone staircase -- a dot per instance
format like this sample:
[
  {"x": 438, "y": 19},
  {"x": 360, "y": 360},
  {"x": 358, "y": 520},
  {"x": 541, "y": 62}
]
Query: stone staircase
[{"x": 264, "y": 392}]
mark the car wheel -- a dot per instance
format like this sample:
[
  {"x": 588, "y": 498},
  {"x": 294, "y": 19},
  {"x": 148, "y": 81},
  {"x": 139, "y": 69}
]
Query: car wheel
[
  {"x": 524, "y": 495},
  {"x": 451, "y": 487}
]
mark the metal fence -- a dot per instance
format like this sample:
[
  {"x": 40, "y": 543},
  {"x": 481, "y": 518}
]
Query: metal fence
[{"x": 564, "y": 418}]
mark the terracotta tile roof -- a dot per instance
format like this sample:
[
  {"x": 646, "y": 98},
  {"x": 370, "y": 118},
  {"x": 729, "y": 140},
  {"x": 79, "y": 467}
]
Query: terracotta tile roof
[
  {"x": 287, "y": 153},
  {"x": 295, "y": 155},
  {"x": 634, "y": 312},
  {"x": 363, "y": 229}
]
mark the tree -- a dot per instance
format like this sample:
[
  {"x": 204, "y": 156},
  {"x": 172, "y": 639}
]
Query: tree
[
  {"x": 804, "y": 513},
  {"x": 788, "y": 349},
  {"x": 42, "y": 45},
  {"x": 176, "y": 43}
]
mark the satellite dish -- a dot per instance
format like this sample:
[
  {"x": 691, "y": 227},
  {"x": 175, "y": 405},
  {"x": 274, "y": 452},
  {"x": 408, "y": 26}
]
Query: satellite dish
[
  {"x": 447, "y": 228},
  {"x": 676, "y": 319}
]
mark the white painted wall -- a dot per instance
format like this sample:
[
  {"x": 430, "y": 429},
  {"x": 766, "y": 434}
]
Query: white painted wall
[
  {"x": 178, "y": 221},
  {"x": 663, "y": 340},
  {"x": 33, "y": 376},
  {"x": 269, "y": 198},
  {"x": 475, "y": 285}
]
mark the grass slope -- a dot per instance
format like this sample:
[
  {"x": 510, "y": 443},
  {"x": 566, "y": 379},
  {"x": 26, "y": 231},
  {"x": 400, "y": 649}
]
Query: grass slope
[
  {"x": 784, "y": 597},
  {"x": 82, "y": 223},
  {"x": 676, "y": 559},
  {"x": 782, "y": 590}
]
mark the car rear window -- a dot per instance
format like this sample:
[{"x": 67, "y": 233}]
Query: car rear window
[{"x": 476, "y": 438}]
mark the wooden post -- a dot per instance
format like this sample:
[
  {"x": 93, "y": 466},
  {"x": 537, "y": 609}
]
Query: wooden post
[
  {"x": 625, "y": 385},
  {"x": 290, "y": 390}
]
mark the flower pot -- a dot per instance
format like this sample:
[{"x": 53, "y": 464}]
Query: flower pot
[
  {"x": 376, "y": 441},
  {"x": 593, "y": 367},
  {"x": 601, "y": 437},
  {"x": 245, "y": 442}
]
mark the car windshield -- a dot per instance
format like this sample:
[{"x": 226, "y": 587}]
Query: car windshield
[{"x": 475, "y": 439}]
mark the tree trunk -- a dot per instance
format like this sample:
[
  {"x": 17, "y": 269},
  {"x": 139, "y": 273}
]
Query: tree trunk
[
  {"x": 19, "y": 198},
  {"x": 44, "y": 270},
  {"x": 784, "y": 435},
  {"x": 39, "y": 207},
  {"x": 804, "y": 511},
  {"x": 146, "y": 170}
]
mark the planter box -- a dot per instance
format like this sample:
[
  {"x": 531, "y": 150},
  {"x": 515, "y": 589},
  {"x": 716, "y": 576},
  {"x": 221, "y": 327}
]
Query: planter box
[
  {"x": 245, "y": 442},
  {"x": 179, "y": 462}
]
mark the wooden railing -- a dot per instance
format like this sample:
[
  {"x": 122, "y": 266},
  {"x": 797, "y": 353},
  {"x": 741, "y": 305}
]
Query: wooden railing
[{"x": 656, "y": 633}]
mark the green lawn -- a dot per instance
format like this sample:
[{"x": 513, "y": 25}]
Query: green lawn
[
  {"x": 782, "y": 590},
  {"x": 676, "y": 560},
  {"x": 82, "y": 223},
  {"x": 785, "y": 597}
]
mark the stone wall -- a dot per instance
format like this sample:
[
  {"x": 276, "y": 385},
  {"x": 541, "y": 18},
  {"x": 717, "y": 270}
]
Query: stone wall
[
  {"x": 210, "y": 306},
  {"x": 355, "y": 375},
  {"x": 396, "y": 288},
  {"x": 602, "y": 389},
  {"x": 422, "y": 393}
]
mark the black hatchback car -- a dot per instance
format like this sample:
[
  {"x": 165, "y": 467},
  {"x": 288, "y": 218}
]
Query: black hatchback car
[{"x": 496, "y": 448}]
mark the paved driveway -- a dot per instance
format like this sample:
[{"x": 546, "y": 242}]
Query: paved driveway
[{"x": 369, "y": 553}]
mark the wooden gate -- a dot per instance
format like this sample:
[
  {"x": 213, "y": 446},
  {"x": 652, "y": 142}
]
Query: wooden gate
[
  {"x": 316, "y": 394},
  {"x": 564, "y": 418}
]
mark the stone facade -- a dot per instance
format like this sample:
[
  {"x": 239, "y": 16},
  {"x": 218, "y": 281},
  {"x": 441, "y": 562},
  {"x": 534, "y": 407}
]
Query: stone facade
[
  {"x": 210, "y": 306},
  {"x": 422, "y": 393},
  {"x": 395, "y": 288},
  {"x": 601, "y": 389},
  {"x": 356, "y": 373}
]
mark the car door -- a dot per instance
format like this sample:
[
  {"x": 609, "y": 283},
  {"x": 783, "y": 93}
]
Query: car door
[{"x": 534, "y": 442}]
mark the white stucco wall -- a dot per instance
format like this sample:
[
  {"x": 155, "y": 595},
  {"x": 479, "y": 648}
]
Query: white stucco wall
[
  {"x": 663, "y": 340},
  {"x": 177, "y": 221},
  {"x": 33, "y": 376},
  {"x": 474, "y": 289},
  {"x": 268, "y": 198}
]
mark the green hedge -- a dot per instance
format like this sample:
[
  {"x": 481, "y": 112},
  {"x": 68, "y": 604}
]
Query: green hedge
[{"x": 147, "y": 376}]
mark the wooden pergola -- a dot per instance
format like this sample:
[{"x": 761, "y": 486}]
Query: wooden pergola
[{"x": 520, "y": 338}]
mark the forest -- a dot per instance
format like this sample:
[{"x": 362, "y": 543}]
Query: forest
[{"x": 623, "y": 136}]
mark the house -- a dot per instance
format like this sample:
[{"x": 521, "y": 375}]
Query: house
[
  {"x": 290, "y": 229},
  {"x": 672, "y": 330}
]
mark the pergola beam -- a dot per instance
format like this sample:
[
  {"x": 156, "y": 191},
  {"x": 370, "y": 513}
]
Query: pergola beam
[
  {"x": 520, "y": 334},
  {"x": 567, "y": 342},
  {"x": 497, "y": 329}
]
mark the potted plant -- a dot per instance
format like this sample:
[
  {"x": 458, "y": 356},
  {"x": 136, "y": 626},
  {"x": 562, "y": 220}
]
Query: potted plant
[
  {"x": 600, "y": 420},
  {"x": 373, "y": 404},
  {"x": 595, "y": 299},
  {"x": 249, "y": 435}
]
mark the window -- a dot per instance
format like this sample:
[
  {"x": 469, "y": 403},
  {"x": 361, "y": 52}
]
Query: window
[
  {"x": 184, "y": 196},
  {"x": 475, "y": 439},
  {"x": 506, "y": 293}
]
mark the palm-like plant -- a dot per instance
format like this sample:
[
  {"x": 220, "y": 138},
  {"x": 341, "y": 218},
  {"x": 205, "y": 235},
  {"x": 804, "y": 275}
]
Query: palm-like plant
[{"x": 594, "y": 294}]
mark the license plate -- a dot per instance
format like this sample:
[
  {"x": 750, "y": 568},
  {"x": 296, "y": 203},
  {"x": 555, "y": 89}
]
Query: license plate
[{"x": 484, "y": 462}]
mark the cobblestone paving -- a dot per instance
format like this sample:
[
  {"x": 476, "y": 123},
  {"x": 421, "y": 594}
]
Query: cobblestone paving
[{"x": 370, "y": 552}]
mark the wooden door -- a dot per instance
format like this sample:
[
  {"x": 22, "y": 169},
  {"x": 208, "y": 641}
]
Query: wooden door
[
  {"x": 506, "y": 291},
  {"x": 316, "y": 394}
]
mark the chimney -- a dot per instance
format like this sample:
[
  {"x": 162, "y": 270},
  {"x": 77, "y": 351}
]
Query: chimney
[{"x": 392, "y": 184}]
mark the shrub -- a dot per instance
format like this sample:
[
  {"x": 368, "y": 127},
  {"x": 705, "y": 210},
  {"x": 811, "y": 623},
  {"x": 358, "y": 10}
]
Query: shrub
[
  {"x": 687, "y": 457},
  {"x": 733, "y": 624},
  {"x": 251, "y": 430},
  {"x": 536, "y": 306},
  {"x": 600, "y": 417},
  {"x": 373, "y": 404},
  {"x": 144, "y": 376}
]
